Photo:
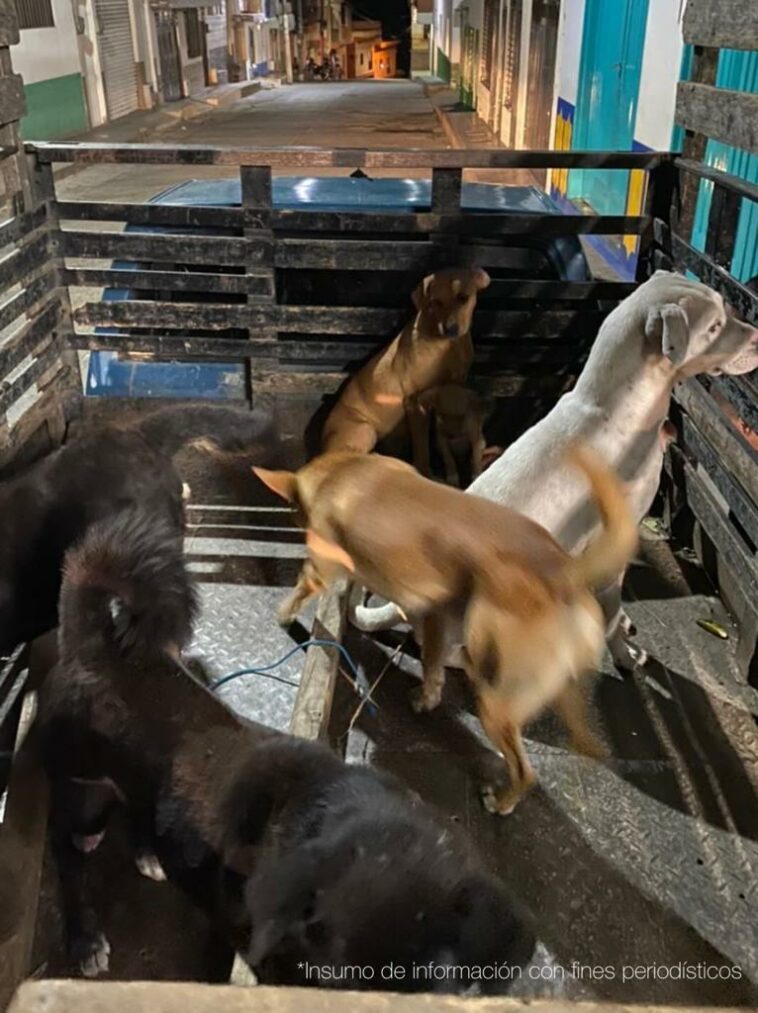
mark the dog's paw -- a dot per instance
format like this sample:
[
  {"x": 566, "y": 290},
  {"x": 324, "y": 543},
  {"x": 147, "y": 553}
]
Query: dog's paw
[
  {"x": 423, "y": 700},
  {"x": 87, "y": 842},
  {"x": 91, "y": 953},
  {"x": 285, "y": 617},
  {"x": 497, "y": 802},
  {"x": 149, "y": 866}
]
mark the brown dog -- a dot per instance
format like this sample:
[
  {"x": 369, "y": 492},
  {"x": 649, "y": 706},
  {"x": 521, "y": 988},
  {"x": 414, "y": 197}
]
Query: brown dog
[
  {"x": 435, "y": 347},
  {"x": 531, "y": 626},
  {"x": 457, "y": 415}
]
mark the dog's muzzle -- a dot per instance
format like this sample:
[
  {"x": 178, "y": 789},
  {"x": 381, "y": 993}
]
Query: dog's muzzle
[{"x": 452, "y": 330}]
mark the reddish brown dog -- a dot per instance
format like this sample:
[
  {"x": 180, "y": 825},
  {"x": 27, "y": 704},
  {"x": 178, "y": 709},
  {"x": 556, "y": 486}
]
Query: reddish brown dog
[
  {"x": 531, "y": 625},
  {"x": 434, "y": 348}
]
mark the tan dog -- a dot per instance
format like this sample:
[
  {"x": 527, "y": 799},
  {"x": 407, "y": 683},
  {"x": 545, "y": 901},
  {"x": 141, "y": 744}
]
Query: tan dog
[
  {"x": 434, "y": 348},
  {"x": 456, "y": 414},
  {"x": 531, "y": 626}
]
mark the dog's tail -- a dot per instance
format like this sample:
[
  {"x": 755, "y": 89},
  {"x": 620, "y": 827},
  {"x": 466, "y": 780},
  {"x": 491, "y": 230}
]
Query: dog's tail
[
  {"x": 126, "y": 583},
  {"x": 212, "y": 427},
  {"x": 610, "y": 553}
]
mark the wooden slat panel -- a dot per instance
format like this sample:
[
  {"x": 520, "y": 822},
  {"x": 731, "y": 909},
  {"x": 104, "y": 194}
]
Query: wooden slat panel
[
  {"x": 47, "y": 359},
  {"x": 12, "y": 104},
  {"x": 26, "y": 340},
  {"x": 699, "y": 449},
  {"x": 727, "y": 24},
  {"x": 25, "y": 299},
  {"x": 311, "y": 383},
  {"x": 723, "y": 535},
  {"x": 736, "y": 454},
  {"x": 16, "y": 268},
  {"x": 742, "y": 393},
  {"x": 21, "y": 226},
  {"x": 173, "y": 281},
  {"x": 719, "y": 113},
  {"x": 181, "y": 216},
  {"x": 151, "y": 247}
]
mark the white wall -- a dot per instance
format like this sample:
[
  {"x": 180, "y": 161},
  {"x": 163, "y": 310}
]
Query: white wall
[
  {"x": 660, "y": 72},
  {"x": 45, "y": 53},
  {"x": 569, "y": 49}
]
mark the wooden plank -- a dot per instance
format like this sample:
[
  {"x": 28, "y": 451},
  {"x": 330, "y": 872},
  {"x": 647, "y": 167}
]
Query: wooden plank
[
  {"x": 727, "y": 24},
  {"x": 699, "y": 449},
  {"x": 165, "y": 215},
  {"x": 149, "y": 247},
  {"x": 724, "y": 535},
  {"x": 313, "y": 703},
  {"x": 723, "y": 220},
  {"x": 719, "y": 113},
  {"x": 368, "y": 255},
  {"x": 12, "y": 102},
  {"x": 341, "y": 158},
  {"x": 283, "y": 382},
  {"x": 62, "y": 996},
  {"x": 736, "y": 454},
  {"x": 446, "y": 190},
  {"x": 8, "y": 23},
  {"x": 251, "y": 284},
  {"x": 174, "y": 316},
  {"x": 185, "y": 348},
  {"x": 346, "y": 320},
  {"x": 726, "y": 179}
]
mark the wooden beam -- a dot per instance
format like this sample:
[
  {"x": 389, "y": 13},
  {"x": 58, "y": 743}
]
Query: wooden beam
[
  {"x": 725, "y": 179},
  {"x": 253, "y": 284},
  {"x": 12, "y": 102},
  {"x": 149, "y": 247},
  {"x": 719, "y": 113},
  {"x": 727, "y": 24},
  {"x": 8, "y": 23},
  {"x": 313, "y": 704},
  {"x": 178, "y": 997},
  {"x": 342, "y": 158}
]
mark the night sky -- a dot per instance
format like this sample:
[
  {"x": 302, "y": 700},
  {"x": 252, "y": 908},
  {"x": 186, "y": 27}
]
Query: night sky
[{"x": 395, "y": 16}]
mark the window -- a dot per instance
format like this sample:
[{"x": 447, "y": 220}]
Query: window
[
  {"x": 194, "y": 37},
  {"x": 35, "y": 14}
]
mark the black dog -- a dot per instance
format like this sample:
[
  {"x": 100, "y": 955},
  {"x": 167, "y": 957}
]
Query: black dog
[
  {"x": 46, "y": 509},
  {"x": 318, "y": 872}
]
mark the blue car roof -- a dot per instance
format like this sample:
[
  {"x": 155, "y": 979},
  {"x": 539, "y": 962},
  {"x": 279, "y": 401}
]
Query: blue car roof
[{"x": 345, "y": 193}]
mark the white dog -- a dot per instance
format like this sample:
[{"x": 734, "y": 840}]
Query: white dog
[{"x": 669, "y": 329}]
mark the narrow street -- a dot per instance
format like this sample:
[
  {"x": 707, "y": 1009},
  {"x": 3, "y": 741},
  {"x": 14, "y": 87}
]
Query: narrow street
[{"x": 359, "y": 114}]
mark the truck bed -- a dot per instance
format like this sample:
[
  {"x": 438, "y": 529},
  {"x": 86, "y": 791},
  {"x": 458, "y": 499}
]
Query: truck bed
[{"x": 637, "y": 871}]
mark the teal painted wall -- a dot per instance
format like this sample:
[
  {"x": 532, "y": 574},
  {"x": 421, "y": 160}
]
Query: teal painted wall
[
  {"x": 54, "y": 108},
  {"x": 738, "y": 70},
  {"x": 443, "y": 66}
]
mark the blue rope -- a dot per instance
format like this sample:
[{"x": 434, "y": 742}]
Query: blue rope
[{"x": 266, "y": 669}]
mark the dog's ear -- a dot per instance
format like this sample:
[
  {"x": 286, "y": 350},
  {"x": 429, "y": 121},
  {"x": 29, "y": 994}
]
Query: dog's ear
[
  {"x": 328, "y": 551},
  {"x": 481, "y": 278},
  {"x": 283, "y": 483},
  {"x": 670, "y": 325},
  {"x": 421, "y": 291}
]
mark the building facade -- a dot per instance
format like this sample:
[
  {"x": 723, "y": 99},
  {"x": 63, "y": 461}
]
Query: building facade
[{"x": 88, "y": 62}]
